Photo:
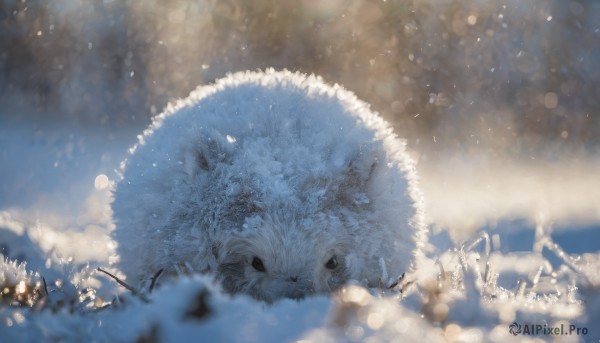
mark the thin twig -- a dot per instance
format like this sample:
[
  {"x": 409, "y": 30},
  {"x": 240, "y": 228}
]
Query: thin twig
[
  {"x": 405, "y": 286},
  {"x": 155, "y": 277},
  {"x": 45, "y": 287},
  {"x": 122, "y": 283},
  {"x": 396, "y": 282}
]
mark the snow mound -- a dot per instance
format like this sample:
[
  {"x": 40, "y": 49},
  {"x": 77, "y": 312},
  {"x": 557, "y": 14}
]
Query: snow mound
[{"x": 471, "y": 292}]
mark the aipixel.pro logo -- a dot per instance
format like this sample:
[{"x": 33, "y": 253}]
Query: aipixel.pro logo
[
  {"x": 514, "y": 328},
  {"x": 545, "y": 330}
]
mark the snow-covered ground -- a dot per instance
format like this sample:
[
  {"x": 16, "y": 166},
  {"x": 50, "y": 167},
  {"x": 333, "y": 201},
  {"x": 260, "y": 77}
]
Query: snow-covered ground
[
  {"x": 469, "y": 292},
  {"x": 511, "y": 180}
]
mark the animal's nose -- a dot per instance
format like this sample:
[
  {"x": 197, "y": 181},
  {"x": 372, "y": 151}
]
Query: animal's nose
[{"x": 294, "y": 278}]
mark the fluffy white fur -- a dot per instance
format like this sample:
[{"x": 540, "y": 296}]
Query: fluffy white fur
[{"x": 271, "y": 165}]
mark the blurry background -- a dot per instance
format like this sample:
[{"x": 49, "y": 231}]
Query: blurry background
[{"x": 499, "y": 100}]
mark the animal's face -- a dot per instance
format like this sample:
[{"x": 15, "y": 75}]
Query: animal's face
[{"x": 272, "y": 264}]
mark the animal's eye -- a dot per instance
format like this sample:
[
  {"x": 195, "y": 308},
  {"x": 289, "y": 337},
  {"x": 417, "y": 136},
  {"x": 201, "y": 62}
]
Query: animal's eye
[
  {"x": 257, "y": 264},
  {"x": 332, "y": 263}
]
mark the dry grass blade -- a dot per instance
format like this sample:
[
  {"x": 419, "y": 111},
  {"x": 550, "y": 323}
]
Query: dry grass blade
[{"x": 124, "y": 284}]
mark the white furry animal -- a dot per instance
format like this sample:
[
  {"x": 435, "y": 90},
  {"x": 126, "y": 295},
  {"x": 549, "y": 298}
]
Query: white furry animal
[{"x": 279, "y": 184}]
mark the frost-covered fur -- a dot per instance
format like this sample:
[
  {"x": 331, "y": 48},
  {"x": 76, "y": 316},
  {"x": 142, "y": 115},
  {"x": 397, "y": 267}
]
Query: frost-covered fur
[{"x": 271, "y": 165}]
